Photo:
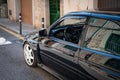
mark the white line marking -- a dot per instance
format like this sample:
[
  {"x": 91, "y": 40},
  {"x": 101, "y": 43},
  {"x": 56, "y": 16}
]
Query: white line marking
[{"x": 3, "y": 41}]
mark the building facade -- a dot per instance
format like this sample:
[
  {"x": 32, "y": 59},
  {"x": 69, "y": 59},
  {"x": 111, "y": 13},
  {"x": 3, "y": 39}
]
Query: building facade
[{"x": 35, "y": 11}]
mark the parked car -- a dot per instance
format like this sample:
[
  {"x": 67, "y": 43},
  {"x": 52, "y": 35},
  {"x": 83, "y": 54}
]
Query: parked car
[{"x": 78, "y": 46}]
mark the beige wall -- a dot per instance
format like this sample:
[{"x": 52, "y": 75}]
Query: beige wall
[
  {"x": 71, "y": 5},
  {"x": 61, "y": 8},
  {"x": 47, "y": 14},
  {"x": 41, "y": 10},
  {"x": 11, "y": 6},
  {"x": 38, "y": 12},
  {"x": 87, "y": 4},
  {"x": 78, "y": 5},
  {"x": 17, "y": 9},
  {"x": 14, "y": 6}
]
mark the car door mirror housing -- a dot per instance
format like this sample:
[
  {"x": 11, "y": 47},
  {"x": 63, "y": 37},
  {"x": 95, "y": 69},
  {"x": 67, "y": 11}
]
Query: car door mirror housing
[{"x": 43, "y": 33}]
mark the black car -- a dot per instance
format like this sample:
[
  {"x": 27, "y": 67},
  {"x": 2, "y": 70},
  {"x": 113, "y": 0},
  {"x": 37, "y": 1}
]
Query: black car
[{"x": 78, "y": 46}]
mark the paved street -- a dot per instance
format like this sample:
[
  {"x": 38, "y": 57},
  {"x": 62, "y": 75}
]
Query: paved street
[{"x": 12, "y": 65}]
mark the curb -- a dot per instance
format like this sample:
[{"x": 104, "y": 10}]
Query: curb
[
  {"x": 2, "y": 25},
  {"x": 14, "y": 33}
]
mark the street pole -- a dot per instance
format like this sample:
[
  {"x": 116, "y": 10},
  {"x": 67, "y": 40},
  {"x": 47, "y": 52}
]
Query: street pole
[
  {"x": 42, "y": 23},
  {"x": 20, "y": 21}
]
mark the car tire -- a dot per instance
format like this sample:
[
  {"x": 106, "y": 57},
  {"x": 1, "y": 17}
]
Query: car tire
[{"x": 30, "y": 56}]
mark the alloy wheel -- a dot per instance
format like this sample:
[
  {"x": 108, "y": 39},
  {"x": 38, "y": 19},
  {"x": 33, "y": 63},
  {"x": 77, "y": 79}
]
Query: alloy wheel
[{"x": 28, "y": 55}]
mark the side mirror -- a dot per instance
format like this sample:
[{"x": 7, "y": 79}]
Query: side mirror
[{"x": 43, "y": 33}]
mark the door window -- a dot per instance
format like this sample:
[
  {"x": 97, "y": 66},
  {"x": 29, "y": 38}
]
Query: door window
[
  {"x": 69, "y": 29},
  {"x": 67, "y": 33}
]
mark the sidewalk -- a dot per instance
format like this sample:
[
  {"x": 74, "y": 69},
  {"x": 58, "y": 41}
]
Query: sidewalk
[{"x": 15, "y": 26}]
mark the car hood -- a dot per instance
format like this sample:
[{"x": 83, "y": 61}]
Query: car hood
[{"x": 32, "y": 35}]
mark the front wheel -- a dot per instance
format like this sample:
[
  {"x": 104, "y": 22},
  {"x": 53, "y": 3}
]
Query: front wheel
[{"x": 30, "y": 56}]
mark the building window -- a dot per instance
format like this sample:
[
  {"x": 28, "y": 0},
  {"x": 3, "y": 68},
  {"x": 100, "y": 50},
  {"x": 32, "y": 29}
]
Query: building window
[{"x": 113, "y": 44}]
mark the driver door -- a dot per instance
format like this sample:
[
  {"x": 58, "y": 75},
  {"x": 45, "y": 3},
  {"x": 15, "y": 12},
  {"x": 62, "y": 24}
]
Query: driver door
[{"x": 59, "y": 50}]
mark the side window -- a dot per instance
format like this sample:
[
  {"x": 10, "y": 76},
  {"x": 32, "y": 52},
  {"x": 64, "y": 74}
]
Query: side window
[
  {"x": 69, "y": 29},
  {"x": 93, "y": 26},
  {"x": 70, "y": 21},
  {"x": 103, "y": 35}
]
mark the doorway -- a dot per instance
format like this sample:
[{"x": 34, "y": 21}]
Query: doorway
[
  {"x": 26, "y": 10},
  {"x": 54, "y": 10},
  {"x": 3, "y": 9}
]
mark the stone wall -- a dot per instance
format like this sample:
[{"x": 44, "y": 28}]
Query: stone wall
[
  {"x": 71, "y": 5},
  {"x": 77, "y": 5},
  {"x": 38, "y": 12},
  {"x": 11, "y": 10},
  {"x": 41, "y": 10}
]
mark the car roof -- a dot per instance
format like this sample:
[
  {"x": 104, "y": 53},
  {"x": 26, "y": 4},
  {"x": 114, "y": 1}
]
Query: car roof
[{"x": 99, "y": 14}]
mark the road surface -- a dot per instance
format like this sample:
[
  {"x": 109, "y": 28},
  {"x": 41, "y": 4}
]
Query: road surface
[{"x": 12, "y": 65}]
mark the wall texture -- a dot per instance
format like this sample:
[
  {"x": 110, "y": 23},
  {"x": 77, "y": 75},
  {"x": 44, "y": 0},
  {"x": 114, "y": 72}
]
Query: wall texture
[
  {"x": 41, "y": 10},
  {"x": 78, "y": 5},
  {"x": 38, "y": 12},
  {"x": 71, "y": 5},
  {"x": 11, "y": 9}
]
